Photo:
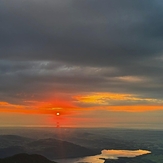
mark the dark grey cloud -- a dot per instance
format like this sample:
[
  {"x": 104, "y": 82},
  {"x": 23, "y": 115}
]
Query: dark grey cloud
[
  {"x": 84, "y": 45},
  {"x": 81, "y": 32}
]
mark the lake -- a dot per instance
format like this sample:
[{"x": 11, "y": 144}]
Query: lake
[{"x": 105, "y": 154}]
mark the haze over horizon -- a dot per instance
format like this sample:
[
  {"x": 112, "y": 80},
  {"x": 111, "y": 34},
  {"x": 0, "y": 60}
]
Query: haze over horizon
[{"x": 98, "y": 63}]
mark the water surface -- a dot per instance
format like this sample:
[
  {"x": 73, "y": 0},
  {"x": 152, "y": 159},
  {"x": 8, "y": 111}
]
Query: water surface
[{"x": 105, "y": 154}]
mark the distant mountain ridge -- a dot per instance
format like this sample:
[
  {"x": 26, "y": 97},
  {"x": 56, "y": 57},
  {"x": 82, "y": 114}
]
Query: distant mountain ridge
[
  {"x": 13, "y": 140},
  {"x": 50, "y": 148}
]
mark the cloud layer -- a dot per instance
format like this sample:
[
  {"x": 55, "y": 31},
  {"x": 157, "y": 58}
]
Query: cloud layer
[{"x": 58, "y": 50}]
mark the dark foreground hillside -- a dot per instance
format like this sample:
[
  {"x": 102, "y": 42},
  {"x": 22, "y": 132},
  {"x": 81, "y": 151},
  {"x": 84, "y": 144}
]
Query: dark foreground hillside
[
  {"x": 138, "y": 159},
  {"x": 26, "y": 158}
]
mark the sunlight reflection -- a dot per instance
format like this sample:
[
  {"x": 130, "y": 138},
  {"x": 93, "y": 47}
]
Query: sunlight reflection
[
  {"x": 123, "y": 153},
  {"x": 105, "y": 154}
]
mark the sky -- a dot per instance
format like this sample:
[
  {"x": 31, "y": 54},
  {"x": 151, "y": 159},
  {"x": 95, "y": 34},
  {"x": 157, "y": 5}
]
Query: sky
[{"x": 98, "y": 63}]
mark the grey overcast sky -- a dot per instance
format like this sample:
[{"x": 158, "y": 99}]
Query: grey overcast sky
[{"x": 86, "y": 59}]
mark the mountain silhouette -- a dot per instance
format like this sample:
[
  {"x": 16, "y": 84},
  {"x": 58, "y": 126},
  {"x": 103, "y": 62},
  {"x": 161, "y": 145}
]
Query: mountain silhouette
[
  {"x": 50, "y": 148},
  {"x": 26, "y": 158}
]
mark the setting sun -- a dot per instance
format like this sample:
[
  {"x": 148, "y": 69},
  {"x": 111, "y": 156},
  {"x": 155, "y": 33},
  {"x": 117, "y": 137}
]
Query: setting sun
[{"x": 57, "y": 114}]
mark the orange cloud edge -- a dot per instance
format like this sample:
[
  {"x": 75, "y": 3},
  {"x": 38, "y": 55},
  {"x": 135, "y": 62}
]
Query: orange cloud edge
[
  {"x": 84, "y": 102},
  {"x": 67, "y": 109}
]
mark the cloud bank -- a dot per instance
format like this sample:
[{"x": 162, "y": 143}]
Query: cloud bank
[{"x": 60, "y": 50}]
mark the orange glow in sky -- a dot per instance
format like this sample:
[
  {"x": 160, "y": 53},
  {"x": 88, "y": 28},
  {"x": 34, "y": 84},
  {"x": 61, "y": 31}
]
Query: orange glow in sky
[{"x": 74, "y": 110}]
